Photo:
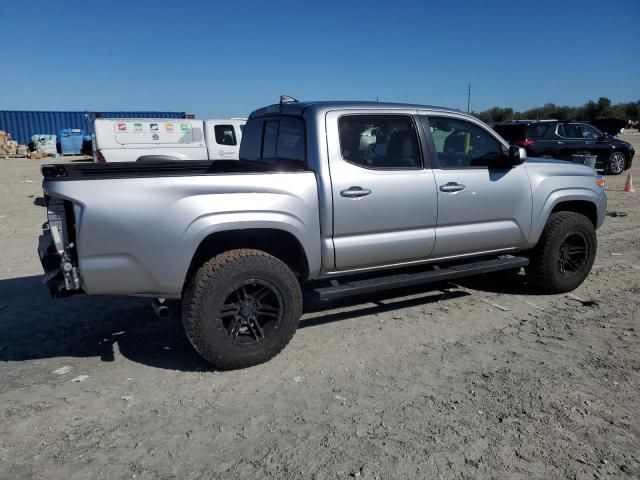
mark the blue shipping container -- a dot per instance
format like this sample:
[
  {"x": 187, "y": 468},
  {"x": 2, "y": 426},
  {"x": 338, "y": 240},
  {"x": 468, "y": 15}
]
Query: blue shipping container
[{"x": 23, "y": 124}]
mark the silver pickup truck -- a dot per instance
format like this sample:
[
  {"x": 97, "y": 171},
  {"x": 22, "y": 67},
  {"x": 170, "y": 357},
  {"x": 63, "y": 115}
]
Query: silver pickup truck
[{"x": 333, "y": 198}]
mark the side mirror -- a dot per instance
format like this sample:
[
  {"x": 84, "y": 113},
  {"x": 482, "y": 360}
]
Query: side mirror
[{"x": 516, "y": 155}]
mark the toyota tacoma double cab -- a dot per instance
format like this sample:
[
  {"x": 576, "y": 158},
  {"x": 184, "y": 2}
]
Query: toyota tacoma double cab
[{"x": 330, "y": 198}]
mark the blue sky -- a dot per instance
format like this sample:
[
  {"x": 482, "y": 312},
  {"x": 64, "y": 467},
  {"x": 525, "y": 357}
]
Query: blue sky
[{"x": 217, "y": 58}]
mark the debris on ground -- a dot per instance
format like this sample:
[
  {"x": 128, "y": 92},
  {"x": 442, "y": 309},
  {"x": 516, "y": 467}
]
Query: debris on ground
[
  {"x": 500, "y": 307},
  {"x": 585, "y": 303},
  {"x": 616, "y": 214},
  {"x": 80, "y": 378},
  {"x": 62, "y": 370},
  {"x": 531, "y": 304}
]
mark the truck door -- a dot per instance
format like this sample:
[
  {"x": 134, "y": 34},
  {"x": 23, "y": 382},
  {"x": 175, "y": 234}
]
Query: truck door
[
  {"x": 481, "y": 207},
  {"x": 222, "y": 140},
  {"x": 384, "y": 200},
  {"x": 569, "y": 141},
  {"x": 593, "y": 142}
]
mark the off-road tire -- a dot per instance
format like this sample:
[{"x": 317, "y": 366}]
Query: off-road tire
[
  {"x": 544, "y": 273},
  {"x": 206, "y": 292},
  {"x": 617, "y": 163}
]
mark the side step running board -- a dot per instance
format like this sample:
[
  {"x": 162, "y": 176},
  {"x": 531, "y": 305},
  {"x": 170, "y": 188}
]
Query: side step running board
[{"x": 434, "y": 274}]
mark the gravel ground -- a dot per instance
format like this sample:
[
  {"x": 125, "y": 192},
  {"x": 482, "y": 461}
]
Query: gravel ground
[{"x": 483, "y": 380}]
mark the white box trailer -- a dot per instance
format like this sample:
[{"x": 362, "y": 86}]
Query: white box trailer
[{"x": 126, "y": 140}]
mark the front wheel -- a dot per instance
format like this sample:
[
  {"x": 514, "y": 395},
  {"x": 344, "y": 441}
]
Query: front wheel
[
  {"x": 564, "y": 255},
  {"x": 241, "y": 308},
  {"x": 616, "y": 164}
]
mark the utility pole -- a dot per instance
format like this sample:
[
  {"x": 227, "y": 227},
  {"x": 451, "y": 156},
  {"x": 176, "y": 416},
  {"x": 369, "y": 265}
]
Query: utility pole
[{"x": 468, "y": 96}]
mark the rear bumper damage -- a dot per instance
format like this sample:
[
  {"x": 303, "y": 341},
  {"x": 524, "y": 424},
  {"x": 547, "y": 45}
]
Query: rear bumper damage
[{"x": 56, "y": 254}]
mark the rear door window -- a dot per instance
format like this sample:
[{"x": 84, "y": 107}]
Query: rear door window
[
  {"x": 569, "y": 130},
  {"x": 379, "y": 141}
]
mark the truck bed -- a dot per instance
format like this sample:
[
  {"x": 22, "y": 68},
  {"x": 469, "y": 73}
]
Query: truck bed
[
  {"x": 180, "y": 168},
  {"x": 136, "y": 226}
]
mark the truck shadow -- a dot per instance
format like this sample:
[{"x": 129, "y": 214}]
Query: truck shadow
[{"x": 33, "y": 326}]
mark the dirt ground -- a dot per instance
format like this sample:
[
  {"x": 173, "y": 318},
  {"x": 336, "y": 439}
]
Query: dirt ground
[{"x": 484, "y": 380}]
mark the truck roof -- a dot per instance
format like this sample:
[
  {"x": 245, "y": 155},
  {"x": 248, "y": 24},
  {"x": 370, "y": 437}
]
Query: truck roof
[{"x": 297, "y": 108}]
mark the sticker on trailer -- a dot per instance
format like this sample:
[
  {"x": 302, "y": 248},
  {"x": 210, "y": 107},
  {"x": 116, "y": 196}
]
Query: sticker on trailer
[
  {"x": 155, "y": 136},
  {"x": 184, "y": 127},
  {"x": 153, "y": 126},
  {"x": 137, "y": 127},
  {"x": 168, "y": 127},
  {"x": 122, "y": 127}
]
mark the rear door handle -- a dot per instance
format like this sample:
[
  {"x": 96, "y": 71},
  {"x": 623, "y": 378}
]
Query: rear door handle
[
  {"x": 452, "y": 187},
  {"x": 560, "y": 143},
  {"x": 355, "y": 192}
]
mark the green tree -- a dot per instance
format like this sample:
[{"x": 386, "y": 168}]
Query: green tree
[{"x": 603, "y": 108}]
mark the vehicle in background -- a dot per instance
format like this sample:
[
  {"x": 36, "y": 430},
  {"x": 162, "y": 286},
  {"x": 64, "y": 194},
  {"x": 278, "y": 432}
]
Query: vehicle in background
[
  {"x": 336, "y": 198},
  {"x": 563, "y": 139},
  {"x": 128, "y": 140}
]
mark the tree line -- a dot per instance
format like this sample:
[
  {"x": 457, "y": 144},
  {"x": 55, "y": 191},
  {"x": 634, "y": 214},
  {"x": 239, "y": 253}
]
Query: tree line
[{"x": 602, "y": 108}]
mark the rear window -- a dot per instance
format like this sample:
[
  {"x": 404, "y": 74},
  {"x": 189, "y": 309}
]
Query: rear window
[
  {"x": 251, "y": 141},
  {"x": 274, "y": 140},
  {"x": 537, "y": 131}
]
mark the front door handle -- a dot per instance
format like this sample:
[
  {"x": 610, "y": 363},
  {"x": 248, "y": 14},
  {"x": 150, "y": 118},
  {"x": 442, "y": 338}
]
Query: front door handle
[
  {"x": 560, "y": 143},
  {"x": 355, "y": 192},
  {"x": 452, "y": 187}
]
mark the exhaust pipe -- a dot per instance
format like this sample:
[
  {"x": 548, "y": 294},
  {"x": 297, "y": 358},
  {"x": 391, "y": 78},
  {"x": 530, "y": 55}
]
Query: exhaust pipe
[{"x": 161, "y": 308}]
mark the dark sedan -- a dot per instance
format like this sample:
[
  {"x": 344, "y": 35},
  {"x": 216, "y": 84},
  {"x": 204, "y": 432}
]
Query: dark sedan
[{"x": 563, "y": 140}]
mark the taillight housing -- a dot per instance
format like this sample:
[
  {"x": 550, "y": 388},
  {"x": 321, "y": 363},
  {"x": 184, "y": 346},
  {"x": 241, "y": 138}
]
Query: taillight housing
[
  {"x": 100, "y": 157},
  {"x": 527, "y": 142}
]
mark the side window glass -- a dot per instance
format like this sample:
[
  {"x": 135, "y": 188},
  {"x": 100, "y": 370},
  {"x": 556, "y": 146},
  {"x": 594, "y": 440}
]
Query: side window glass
[
  {"x": 251, "y": 141},
  {"x": 225, "y": 135},
  {"x": 571, "y": 131},
  {"x": 462, "y": 144},
  {"x": 379, "y": 141},
  {"x": 291, "y": 140},
  {"x": 588, "y": 133},
  {"x": 270, "y": 140}
]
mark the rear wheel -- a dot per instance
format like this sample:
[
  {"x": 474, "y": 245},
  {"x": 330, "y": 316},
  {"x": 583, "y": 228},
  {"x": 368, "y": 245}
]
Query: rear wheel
[
  {"x": 617, "y": 162},
  {"x": 241, "y": 308},
  {"x": 564, "y": 255}
]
